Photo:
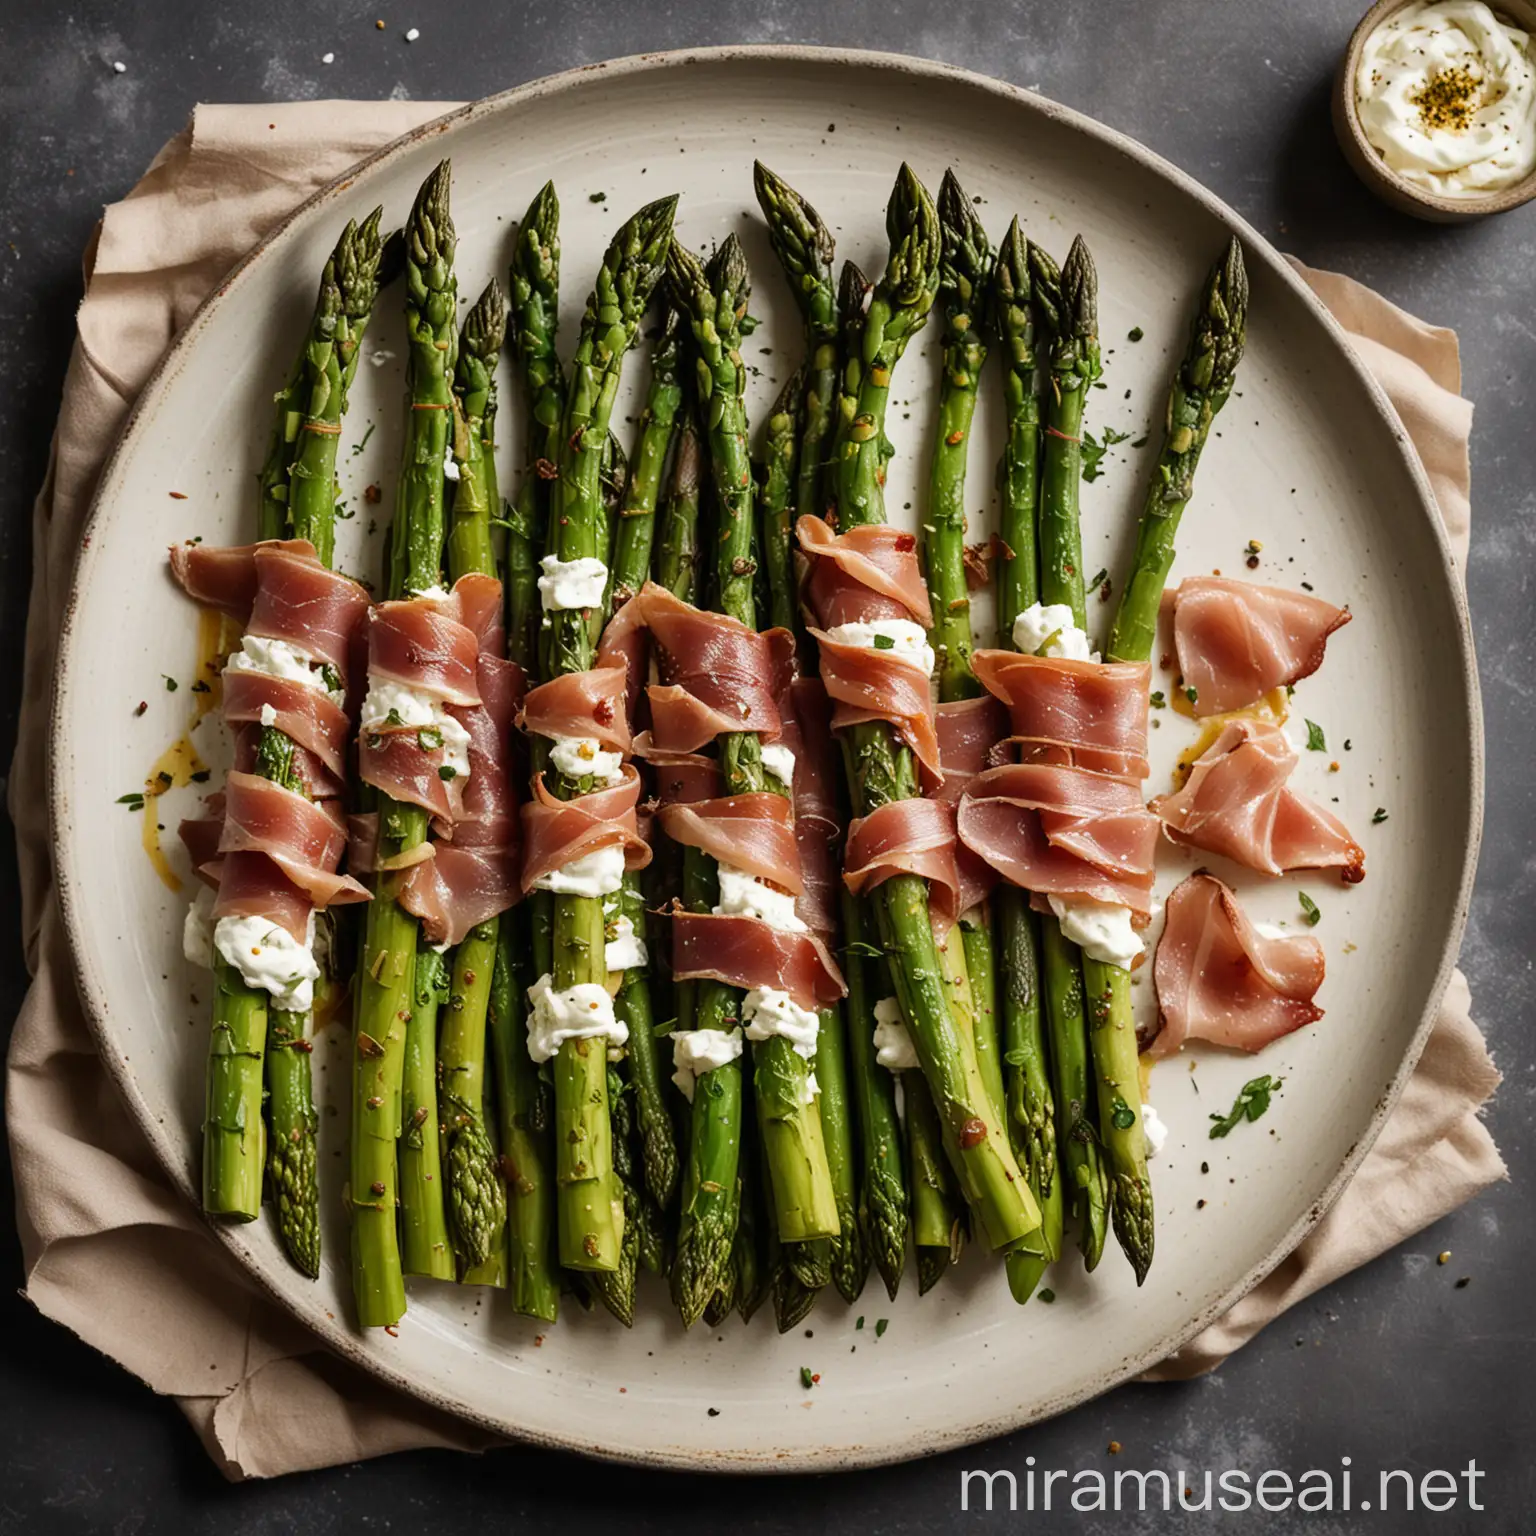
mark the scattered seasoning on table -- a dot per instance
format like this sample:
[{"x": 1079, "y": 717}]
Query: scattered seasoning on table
[
  {"x": 1047, "y": 1295},
  {"x": 1115, "y": 1447},
  {"x": 1444, "y": 1258},
  {"x": 1310, "y": 909},
  {"x": 881, "y": 1325},
  {"x": 1464, "y": 1282}
]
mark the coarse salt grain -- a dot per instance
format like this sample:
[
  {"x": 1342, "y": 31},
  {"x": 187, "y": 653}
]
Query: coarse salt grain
[
  {"x": 327, "y": 58},
  {"x": 412, "y": 35}
]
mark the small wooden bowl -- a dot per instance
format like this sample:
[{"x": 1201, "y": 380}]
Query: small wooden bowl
[{"x": 1373, "y": 170}]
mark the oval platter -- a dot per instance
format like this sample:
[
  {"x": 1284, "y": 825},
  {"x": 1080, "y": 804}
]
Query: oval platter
[{"x": 1308, "y": 460}]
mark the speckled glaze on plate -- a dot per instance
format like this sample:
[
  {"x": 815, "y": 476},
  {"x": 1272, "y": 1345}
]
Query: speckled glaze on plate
[{"x": 1308, "y": 460}]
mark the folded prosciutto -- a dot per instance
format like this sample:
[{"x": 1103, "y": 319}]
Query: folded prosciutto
[
  {"x": 717, "y": 676},
  {"x": 1236, "y": 640},
  {"x": 1067, "y": 820},
  {"x": 1236, "y": 803},
  {"x": 862, "y": 587},
  {"x": 1219, "y": 979},
  {"x": 274, "y": 852},
  {"x": 806, "y": 715}
]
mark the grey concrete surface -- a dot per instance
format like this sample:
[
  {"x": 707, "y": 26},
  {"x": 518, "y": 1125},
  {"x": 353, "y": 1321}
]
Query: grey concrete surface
[{"x": 1395, "y": 1366}]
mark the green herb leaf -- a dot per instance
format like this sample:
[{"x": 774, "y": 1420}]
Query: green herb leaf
[
  {"x": 394, "y": 717},
  {"x": 597, "y": 197},
  {"x": 1250, "y": 1103},
  {"x": 1047, "y": 1295},
  {"x": 134, "y": 802},
  {"x": 1094, "y": 450},
  {"x": 1192, "y": 694},
  {"x": 881, "y": 1325},
  {"x": 884, "y": 643},
  {"x": 1316, "y": 741},
  {"x": 806, "y": 1380},
  {"x": 1378, "y": 816},
  {"x": 447, "y": 774},
  {"x": 170, "y": 684},
  {"x": 1158, "y": 701},
  {"x": 1310, "y": 909},
  {"x": 1099, "y": 580},
  {"x": 429, "y": 738},
  {"x": 1135, "y": 333},
  {"x": 859, "y": 1324}
]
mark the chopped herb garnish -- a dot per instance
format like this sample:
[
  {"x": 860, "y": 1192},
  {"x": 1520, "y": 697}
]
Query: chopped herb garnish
[
  {"x": 597, "y": 197},
  {"x": 1134, "y": 334},
  {"x": 429, "y": 738},
  {"x": 1124, "y": 1116},
  {"x": 1140, "y": 442},
  {"x": 134, "y": 802},
  {"x": 1310, "y": 909},
  {"x": 884, "y": 643},
  {"x": 1316, "y": 741},
  {"x": 806, "y": 1379},
  {"x": 881, "y": 1324},
  {"x": 394, "y": 717},
  {"x": 1047, "y": 1295},
  {"x": 1094, "y": 450},
  {"x": 1099, "y": 579},
  {"x": 1250, "y": 1103},
  {"x": 170, "y": 685},
  {"x": 447, "y": 774},
  {"x": 202, "y": 776},
  {"x": 1378, "y": 816},
  {"x": 1192, "y": 694},
  {"x": 200, "y": 687},
  {"x": 859, "y": 1324},
  {"x": 1158, "y": 701}
]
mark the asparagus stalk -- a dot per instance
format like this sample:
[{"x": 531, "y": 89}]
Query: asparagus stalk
[
  {"x": 424, "y": 1248},
  {"x": 715, "y": 305},
  {"x": 476, "y": 1196},
  {"x": 1066, "y": 303},
  {"x": 386, "y": 984},
  {"x": 251, "y": 1041},
  {"x": 937, "y": 1210},
  {"x": 533, "y": 321},
  {"x": 881, "y": 768},
  {"x": 776, "y": 504},
  {"x": 1031, "y": 1103},
  {"x": 590, "y": 1210},
  {"x": 1200, "y": 389}
]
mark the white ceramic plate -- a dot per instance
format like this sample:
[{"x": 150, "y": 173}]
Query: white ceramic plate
[{"x": 1307, "y": 459}]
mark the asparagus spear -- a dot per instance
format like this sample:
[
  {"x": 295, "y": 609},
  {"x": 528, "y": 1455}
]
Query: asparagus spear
[
  {"x": 715, "y": 305},
  {"x": 590, "y": 1210},
  {"x": 881, "y": 769},
  {"x": 1200, "y": 389},
  {"x": 252, "y": 1041},
  {"x": 424, "y": 1248},
  {"x": 965, "y": 277},
  {"x": 1066, "y": 305},
  {"x": 1031, "y": 1105},
  {"x": 535, "y": 300},
  {"x": 776, "y": 505},
  {"x": 386, "y": 977},
  {"x": 678, "y": 556},
  {"x": 476, "y": 1196}
]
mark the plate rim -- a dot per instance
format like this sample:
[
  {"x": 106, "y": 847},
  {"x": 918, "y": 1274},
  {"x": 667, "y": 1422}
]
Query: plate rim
[{"x": 273, "y": 1278}]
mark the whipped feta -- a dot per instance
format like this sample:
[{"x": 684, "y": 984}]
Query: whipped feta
[
  {"x": 1054, "y": 623},
  {"x": 582, "y": 1012},
  {"x": 599, "y": 873},
  {"x": 767, "y": 1012},
  {"x": 697, "y": 1051},
  {"x": 903, "y": 639},
  {"x": 577, "y": 583},
  {"x": 893, "y": 1042},
  {"x": 269, "y": 957}
]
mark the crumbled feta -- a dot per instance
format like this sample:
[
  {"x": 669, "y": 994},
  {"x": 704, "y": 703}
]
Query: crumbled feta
[
  {"x": 1054, "y": 622},
  {"x": 582, "y": 757},
  {"x": 394, "y": 706},
  {"x": 572, "y": 583},
  {"x": 279, "y": 659},
  {"x": 584, "y": 1011},
  {"x": 269, "y": 957},
  {"x": 599, "y": 873},
  {"x": 1154, "y": 1129},
  {"x": 1101, "y": 929},
  {"x": 268, "y": 715},
  {"x": 437, "y": 592},
  {"x": 625, "y": 951},
  {"x": 900, "y": 638},
  {"x": 450, "y": 467},
  {"x": 697, "y": 1051},
  {"x": 779, "y": 761},
  {"x": 893, "y": 1041},
  {"x": 767, "y": 1012},
  {"x": 744, "y": 895}
]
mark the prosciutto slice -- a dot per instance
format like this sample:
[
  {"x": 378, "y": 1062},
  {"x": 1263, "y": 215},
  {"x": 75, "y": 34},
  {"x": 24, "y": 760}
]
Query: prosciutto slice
[
  {"x": 557, "y": 832},
  {"x": 590, "y": 704},
  {"x": 1061, "y": 831},
  {"x": 271, "y": 851},
  {"x": 868, "y": 573},
  {"x": 417, "y": 641},
  {"x": 755, "y": 833},
  {"x": 907, "y": 837},
  {"x": 1235, "y": 640},
  {"x": 277, "y": 590},
  {"x": 1218, "y": 979},
  {"x": 746, "y": 953},
  {"x": 1237, "y": 803},
  {"x": 807, "y": 718},
  {"x": 474, "y": 877},
  {"x": 1087, "y": 714}
]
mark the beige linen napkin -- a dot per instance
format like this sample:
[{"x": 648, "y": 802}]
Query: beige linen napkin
[{"x": 110, "y": 1250}]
